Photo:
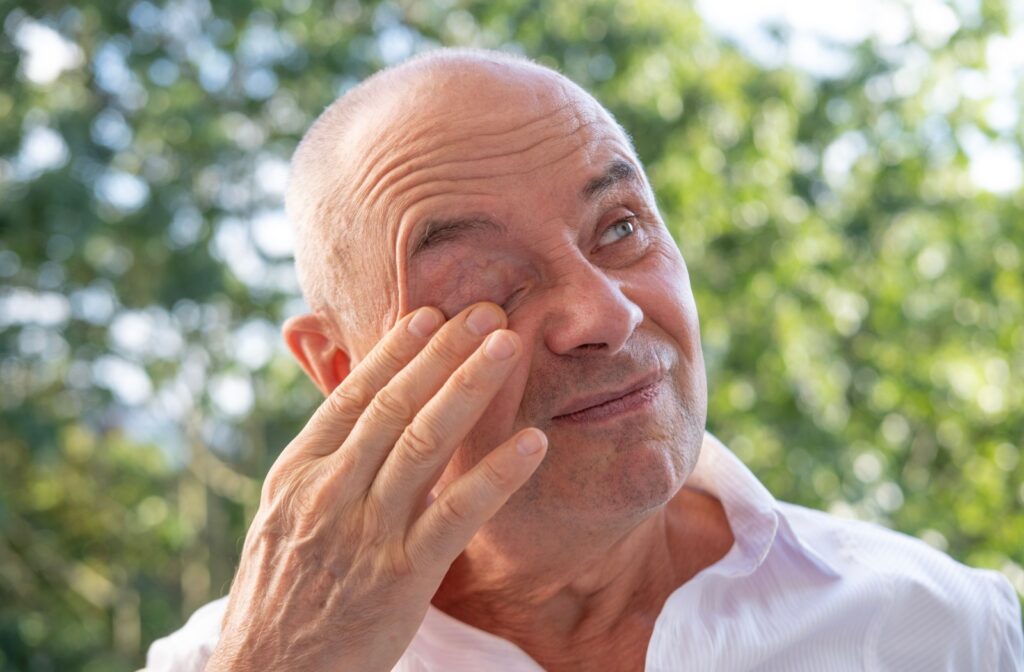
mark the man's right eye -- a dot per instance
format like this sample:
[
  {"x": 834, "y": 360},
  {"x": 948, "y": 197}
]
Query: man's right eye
[{"x": 507, "y": 304}]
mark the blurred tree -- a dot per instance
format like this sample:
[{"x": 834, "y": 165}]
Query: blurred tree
[{"x": 861, "y": 294}]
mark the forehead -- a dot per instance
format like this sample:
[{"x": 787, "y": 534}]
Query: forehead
[{"x": 478, "y": 133}]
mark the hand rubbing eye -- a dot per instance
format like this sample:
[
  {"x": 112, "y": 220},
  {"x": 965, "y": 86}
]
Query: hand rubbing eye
[
  {"x": 505, "y": 305},
  {"x": 617, "y": 231}
]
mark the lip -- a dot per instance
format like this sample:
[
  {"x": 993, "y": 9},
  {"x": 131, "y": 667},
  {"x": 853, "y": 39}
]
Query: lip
[{"x": 610, "y": 403}]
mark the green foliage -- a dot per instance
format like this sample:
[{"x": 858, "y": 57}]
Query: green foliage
[{"x": 861, "y": 300}]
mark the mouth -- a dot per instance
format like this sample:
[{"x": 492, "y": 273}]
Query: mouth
[{"x": 633, "y": 397}]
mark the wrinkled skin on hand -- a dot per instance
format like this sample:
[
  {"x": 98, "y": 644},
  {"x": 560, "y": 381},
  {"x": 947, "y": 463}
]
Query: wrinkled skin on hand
[{"x": 346, "y": 550}]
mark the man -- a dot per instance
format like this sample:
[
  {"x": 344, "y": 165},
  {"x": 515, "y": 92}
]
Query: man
[{"x": 510, "y": 470}]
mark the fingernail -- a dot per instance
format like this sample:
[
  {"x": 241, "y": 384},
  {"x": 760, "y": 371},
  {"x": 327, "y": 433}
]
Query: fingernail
[
  {"x": 482, "y": 320},
  {"x": 423, "y": 322},
  {"x": 500, "y": 346},
  {"x": 530, "y": 442}
]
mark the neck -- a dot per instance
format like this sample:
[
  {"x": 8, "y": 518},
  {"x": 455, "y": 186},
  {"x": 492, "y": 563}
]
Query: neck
[{"x": 591, "y": 596}]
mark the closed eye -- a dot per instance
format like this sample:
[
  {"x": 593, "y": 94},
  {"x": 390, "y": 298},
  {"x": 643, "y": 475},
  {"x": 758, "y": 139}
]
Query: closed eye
[{"x": 511, "y": 298}]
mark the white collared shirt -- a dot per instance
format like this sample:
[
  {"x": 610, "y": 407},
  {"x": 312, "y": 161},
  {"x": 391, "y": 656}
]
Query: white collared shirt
[{"x": 799, "y": 590}]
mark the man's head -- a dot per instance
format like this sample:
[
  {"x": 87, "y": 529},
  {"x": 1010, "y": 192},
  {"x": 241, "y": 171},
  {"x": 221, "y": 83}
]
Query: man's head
[{"x": 473, "y": 176}]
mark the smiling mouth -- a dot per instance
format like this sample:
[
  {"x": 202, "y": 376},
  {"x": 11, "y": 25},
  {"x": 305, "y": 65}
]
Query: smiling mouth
[{"x": 637, "y": 399}]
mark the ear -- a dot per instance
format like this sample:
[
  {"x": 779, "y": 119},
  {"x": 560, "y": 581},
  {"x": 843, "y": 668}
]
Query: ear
[{"x": 324, "y": 361}]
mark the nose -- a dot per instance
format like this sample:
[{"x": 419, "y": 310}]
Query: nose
[{"x": 590, "y": 312}]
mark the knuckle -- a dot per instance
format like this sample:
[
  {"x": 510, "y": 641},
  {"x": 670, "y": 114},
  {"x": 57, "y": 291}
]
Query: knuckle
[
  {"x": 388, "y": 358},
  {"x": 339, "y": 467},
  {"x": 397, "y": 567},
  {"x": 418, "y": 444},
  {"x": 302, "y": 495},
  {"x": 393, "y": 405},
  {"x": 349, "y": 399},
  {"x": 445, "y": 350},
  {"x": 454, "y": 512},
  {"x": 465, "y": 383},
  {"x": 494, "y": 478},
  {"x": 305, "y": 501},
  {"x": 279, "y": 480}
]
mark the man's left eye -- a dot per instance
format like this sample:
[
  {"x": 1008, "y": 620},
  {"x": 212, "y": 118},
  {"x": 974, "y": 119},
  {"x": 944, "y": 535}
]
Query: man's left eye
[{"x": 617, "y": 231}]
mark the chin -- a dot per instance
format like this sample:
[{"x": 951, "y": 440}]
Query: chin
[{"x": 618, "y": 473}]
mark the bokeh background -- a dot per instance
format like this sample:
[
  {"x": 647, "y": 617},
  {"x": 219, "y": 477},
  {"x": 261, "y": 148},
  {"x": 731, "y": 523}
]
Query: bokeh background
[{"x": 844, "y": 179}]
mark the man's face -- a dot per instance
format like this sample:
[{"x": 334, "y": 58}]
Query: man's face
[{"x": 518, "y": 189}]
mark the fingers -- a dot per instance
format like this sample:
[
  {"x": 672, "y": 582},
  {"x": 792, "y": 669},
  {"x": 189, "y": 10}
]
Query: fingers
[
  {"x": 393, "y": 408},
  {"x": 334, "y": 419},
  {"x": 428, "y": 442},
  {"x": 446, "y": 527}
]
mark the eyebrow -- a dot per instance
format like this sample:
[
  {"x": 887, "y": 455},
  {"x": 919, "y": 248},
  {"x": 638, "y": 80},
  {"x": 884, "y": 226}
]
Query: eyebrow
[
  {"x": 440, "y": 231},
  {"x": 616, "y": 172}
]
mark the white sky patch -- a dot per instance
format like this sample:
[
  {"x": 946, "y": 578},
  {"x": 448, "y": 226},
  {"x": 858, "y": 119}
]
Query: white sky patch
[
  {"x": 254, "y": 342},
  {"x": 148, "y": 333},
  {"x": 122, "y": 190},
  {"x": 127, "y": 380},
  {"x": 110, "y": 66},
  {"x": 821, "y": 32},
  {"x": 272, "y": 233},
  {"x": 94, "y": 304},
  {"x": 816, "y": 29},
  {"x": 232, "y": 244},
  {"x": 24, "y": 306},
  {"x": 996, "y": 167},
  {"x": 110, "y": 129},
  {"x": 232, "y": 394},
  {"x": 263, "y": 44},
  {"x": 42, "y": 149},
  {"x": 46, "y": 53},
  {"x": 272, "y": 175},
  {"x": 935, "y": 20},
  {"x": 841, "y": 155},
  {"x": 845, "y": 21},
  {"x": 396, "y": 43}
]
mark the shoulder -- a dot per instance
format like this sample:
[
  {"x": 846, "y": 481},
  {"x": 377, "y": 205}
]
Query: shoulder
[
  {"x": 929, "y": 606},
  {"x": 188, "y": 649}
]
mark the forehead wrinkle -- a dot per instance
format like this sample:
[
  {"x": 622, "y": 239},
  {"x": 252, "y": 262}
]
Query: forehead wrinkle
[
  {"x": 404, "y": 131},
  {"x": 392, "y": 173},
  {"x": 432, "y": 189},
  {"x": 427, "y": 173},
  {"x": 425, "y": 177},
  {"x": 552, "y": 115},
  {"x": 435, "y": 189}
]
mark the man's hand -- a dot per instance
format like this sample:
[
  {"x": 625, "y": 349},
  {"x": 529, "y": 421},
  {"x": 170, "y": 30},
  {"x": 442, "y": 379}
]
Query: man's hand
[{"x": 344, "y": 553}]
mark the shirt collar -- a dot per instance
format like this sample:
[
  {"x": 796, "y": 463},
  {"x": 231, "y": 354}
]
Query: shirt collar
[
  {"x": 757, "y": 524},
  {"x": 756, "y": 519}
]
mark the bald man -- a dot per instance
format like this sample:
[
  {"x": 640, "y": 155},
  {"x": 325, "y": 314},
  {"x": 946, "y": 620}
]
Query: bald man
[{"x": 510, "y": 469}]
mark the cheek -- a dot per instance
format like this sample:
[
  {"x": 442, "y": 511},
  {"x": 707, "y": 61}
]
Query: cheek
[{"x": 663, "y": 292}]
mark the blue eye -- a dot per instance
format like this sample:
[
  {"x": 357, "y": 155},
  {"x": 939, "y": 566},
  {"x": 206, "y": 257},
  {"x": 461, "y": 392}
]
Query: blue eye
[{"x": 617, "y": 231}]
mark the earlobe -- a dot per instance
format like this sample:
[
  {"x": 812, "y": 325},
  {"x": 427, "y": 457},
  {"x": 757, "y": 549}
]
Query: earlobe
[{"x": 324, "y": 361}]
